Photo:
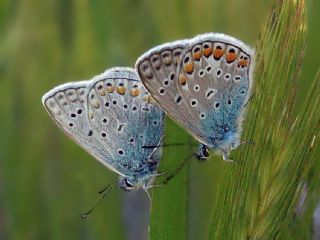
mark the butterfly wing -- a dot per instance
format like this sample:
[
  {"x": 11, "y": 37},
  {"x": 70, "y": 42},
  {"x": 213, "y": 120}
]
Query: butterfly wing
[
  {"x": 216, "y": 80},
  {"x": 123, "y": 119},
  {"x": 157, "y": 69},
  {"x": 85, "y": 112}
]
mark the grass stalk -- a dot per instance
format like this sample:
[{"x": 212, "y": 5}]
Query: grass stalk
[{"x": 257, "y": 198}]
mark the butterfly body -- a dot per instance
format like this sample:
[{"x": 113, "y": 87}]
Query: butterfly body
[
  {"x": 209, "y": 79},
  {"x": 110, "y": 118}
]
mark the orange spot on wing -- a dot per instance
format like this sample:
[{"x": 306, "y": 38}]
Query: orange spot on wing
[
  {"x": 121, "y": 90},
  {"x": 134, "y": 92},
  {"x": 207, "y": 51},
  {"x": 231, "y": 57},
  {"x": 218, "y": 53},
  {"x": 188, "y": 67},
  {"x": 101, "y": 92},
  {"x": 196, "y": 55},
  {"x": 166, "y": 59},
  {"x": 145, "y": 98},
  {"x": 182, "y": 79},
  {"x": 149, "y": 99},
  {"x": 243, "y": 63},
  {"x": 110, "y": 89}
]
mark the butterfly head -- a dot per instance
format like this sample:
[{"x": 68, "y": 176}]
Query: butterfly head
[
  {"x": 223, "y": 139},
  {"x": 229, "y": 140},
  {"x": 202, "y": 153},
  {"x": 128, "y": 184},
  {"x": 134, "y": 183}
]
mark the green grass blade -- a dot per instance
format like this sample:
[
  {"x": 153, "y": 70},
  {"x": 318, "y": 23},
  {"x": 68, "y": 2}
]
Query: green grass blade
[
  {"x": 168, "y": 215},
  {"x": 300, "y": 226},
  {"x": 257, "y": 197}
]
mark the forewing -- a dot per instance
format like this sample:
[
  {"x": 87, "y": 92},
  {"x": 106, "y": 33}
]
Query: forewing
[
  {"x": 86, "y": 111},
  {"x": 215, "y": 81},
  {"x": 157, "y": 69},
  {"x": 67, "y": 105}
]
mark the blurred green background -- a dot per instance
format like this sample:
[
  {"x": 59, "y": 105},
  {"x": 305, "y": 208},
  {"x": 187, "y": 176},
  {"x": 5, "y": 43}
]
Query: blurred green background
[{"x": 46, "y": 180}]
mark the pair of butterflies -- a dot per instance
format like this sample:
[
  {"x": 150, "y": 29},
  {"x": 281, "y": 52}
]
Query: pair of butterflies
[{"x": 202, "y": 83}]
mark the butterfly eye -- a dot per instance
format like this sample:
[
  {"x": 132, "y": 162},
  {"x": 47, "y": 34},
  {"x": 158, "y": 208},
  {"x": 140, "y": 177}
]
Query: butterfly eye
[
  {"x": 205, "y": 152},
  {"x": 128, "y": 184}
]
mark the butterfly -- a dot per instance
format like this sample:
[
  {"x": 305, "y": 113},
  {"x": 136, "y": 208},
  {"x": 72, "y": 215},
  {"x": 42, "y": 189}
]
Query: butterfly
[
  {"x": 112, "y": 117},
  {"x": 203, "y": 84}
]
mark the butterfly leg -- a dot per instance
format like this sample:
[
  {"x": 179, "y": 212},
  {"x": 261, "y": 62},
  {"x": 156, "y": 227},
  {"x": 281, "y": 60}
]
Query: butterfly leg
[
  {"x": 226, "y": 157},
  {"x": 148, "y": 194},
  {"x": 159, "y": 174},
  {"x": 150, "y": 160},
  {"x": 249, "y": 100},
  {"x": 154, "y": 185},
  {"x": 247, "y": 142},
  {"x": 147, "y": 187}
]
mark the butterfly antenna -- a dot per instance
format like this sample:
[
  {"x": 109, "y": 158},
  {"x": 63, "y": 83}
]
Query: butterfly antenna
[
  {"x": 249, "y": 100},
  {"x": 171, "y": 145},
  {"x": 104, "y": 189},
  {"x": 179, "y": 168},
  {"x": 105, "y": 192},
  {"x": 107, "y": 187}
]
